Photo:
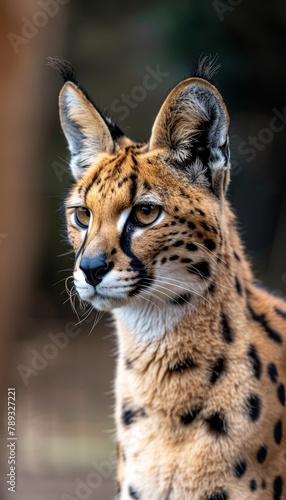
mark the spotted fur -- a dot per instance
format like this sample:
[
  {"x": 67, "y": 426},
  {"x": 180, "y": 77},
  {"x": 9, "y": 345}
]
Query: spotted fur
[{"x": 201, "y": 373}]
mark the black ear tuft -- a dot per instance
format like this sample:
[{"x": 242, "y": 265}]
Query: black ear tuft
[
  {"x": 65, "y": 68},
  {"x": 67, "y": 71},
  {"x": 206, "y": 68}
]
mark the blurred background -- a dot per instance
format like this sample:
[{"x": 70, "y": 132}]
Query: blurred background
[{"x": 62, "y": 370}]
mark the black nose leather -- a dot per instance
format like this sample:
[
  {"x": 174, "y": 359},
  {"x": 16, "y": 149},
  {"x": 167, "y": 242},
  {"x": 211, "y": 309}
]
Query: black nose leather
[{"x": 95, "y": 268}]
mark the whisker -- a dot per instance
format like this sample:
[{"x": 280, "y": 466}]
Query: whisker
[
  {"x": 63, "y": 279},
  {"x": 172, "y": 298},
  {"x": 65, "y": 254},
  {"x": 96, "y": 321},
  {"x": 65, "y": 270}
]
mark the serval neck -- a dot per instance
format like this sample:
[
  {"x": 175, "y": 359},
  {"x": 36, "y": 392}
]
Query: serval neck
[{"x": 147, "y": 330}]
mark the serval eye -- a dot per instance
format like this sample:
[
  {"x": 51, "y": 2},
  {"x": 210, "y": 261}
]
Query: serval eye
[
  {"x": 146, "y": 214},
  {"x": 82, "y": 217}
]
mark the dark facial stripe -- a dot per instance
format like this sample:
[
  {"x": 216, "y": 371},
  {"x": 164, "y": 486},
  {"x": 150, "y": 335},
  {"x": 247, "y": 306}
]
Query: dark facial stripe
[
  {"x": 261, "y": 319},
  {"x": 136, "y": 264},
  {"x": 81, "y": 247}
]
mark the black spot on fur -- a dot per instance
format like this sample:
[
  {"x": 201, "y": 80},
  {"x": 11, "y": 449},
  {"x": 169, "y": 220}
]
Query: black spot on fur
[
  {"x": 163, "y": 260},
  {"x": 260, "y": 318},
  {"x": 217, "y": 423},
  {"x": 205, "y": 226},
  {"x": 226, "y": 331},
  {"x": 191, "y": 247},
  {"x": 281, "y": 394},
  {"x": 201, "y": 268},
  {"x": 130, "y": 416},
  {"x": 191, "y": 225},
  {"x": 238, "y": 286},
  {"x": 252, "y": 485},
  {"x": 180, "y": 300},
  {"x": 239, "y": 468},
  {"x": 280, "y": 312},
  {"x": 220, "y": 495},
  {"x": 133, "y": 493},
  {"x": 183, "y": 365},
  {"x": 217, "y": 370},
  {"x": 178, "y": 243},
  {"x": 263, "y": 484},
  {"x": 210, "y": 244},
  {"x": 147, "y": 185},
  {"x": 200, "y": 212},
  {"x": 262, "y": 454},
  {"x": 255, "y": 361},
  {"x": 186, "y": 261},
  {"x": 277, "y": 488},
  {"x": 113, "y": 251},
  {"x": 272, "y": 372},
  {"x": 190, "y": 416},
  {"x": 212, "y": 288},
  {"x": 236, "y": 256},
  {"x": 278, "y": 432},
  {"x": 254, "y": 407},
  {"x": 174, "y": 257}
]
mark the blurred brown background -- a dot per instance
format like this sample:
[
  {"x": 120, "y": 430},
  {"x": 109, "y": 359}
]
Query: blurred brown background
[{"x": 61, "y": 371}]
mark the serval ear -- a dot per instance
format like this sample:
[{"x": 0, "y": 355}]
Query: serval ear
[
  {"x": 87, "y": 130},
  {"x": 191, "y": 130}
]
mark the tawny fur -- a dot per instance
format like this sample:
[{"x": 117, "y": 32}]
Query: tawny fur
[{"x": 200, "y": 384}]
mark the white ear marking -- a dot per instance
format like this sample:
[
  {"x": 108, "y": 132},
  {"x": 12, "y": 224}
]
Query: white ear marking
[
  {"x": 86, "y": 132},
  {"x": 191, "y": 129}
]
